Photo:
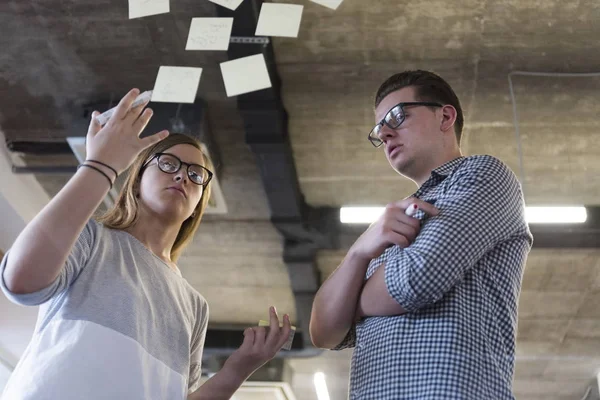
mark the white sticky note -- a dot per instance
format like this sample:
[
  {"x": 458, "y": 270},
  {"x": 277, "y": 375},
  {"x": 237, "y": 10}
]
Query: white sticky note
[
  {"x": 333, "y": 4},
  {"x": 209, "y": 34},
  {"x": 279, "y": 20},
  {"x": 231, "y": 4},
  {"x": 176, "y": 84},
  {"x": 246, "y": 74},
  {"x": 144, "y": 8}
]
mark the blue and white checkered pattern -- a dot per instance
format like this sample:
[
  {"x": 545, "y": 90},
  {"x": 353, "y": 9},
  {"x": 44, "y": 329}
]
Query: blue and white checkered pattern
[{"x": 459, "y": 282}]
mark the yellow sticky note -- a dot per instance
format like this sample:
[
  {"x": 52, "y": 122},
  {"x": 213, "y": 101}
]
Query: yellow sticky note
[{"x": 288, "y": 343}]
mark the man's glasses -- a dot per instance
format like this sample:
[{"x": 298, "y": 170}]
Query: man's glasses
[
  {"x": 394, "y": 118},
  {"x": 171, "y": 164}
]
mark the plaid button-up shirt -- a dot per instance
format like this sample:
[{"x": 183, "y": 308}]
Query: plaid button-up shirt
[{"x": 459, "y": 283}]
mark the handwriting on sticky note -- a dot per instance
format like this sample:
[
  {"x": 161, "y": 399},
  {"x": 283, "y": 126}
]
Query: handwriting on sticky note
[
  {"x": 176, "y": 84},
  {"x": 209, "y": 34},
  {"x": 144, "y": 8},
  {"x": 231, "y": 4}
]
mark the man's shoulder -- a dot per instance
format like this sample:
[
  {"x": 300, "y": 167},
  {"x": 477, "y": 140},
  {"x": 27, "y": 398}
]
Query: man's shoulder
[
  {"x": 483, "y": 161},
  {"x": 486, "y": 166}
]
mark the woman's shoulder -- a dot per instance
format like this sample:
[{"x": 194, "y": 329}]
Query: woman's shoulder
[
  {"x": 196, "y": 295},
  {"x": 197, "y": 299},
  {"x": 96, "y": 228}
]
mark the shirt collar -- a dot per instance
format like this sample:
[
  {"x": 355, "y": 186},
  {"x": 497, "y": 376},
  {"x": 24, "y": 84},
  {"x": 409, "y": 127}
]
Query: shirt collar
[
  {"x": 447, "y": 168},
  {"x": 439, "y": 174},
  {"x": 177, "y": 271}
]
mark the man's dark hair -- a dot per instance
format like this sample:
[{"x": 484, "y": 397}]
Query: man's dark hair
[{"x": 428, "y": 87}]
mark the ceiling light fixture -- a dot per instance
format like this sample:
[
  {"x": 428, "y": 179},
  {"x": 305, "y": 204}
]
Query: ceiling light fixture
[
  {"x": 555, "y": 215},
  {"x": 533, "y": 215},
  {"x": 321, "y": 386}
]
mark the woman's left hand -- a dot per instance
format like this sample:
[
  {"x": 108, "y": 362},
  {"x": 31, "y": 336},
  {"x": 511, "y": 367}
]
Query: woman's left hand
[{"x": 260, "y": 345}]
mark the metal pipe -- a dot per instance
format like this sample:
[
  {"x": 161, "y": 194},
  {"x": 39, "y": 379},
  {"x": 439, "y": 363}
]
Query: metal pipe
[
  {"x": 515, "y": 109},
  {"x": 304, "y": 353},
  {"x": 45, "y": 170}
]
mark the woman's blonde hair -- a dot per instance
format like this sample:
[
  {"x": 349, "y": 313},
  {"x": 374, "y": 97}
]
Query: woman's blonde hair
[{"x": 124, "y": 213}]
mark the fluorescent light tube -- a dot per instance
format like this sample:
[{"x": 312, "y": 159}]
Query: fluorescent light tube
[
  {"x": 321, "y": 386},
  {"x": 533, "y": 215},
  {"x": 555, "y": 215}
]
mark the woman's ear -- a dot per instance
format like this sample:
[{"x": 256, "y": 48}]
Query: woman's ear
[{"x": 136, "y": 186}]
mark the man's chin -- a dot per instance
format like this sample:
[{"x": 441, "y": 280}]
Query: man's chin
[
  {"x": 399, "y": 165},
  {"x": 402, "y": 167}
]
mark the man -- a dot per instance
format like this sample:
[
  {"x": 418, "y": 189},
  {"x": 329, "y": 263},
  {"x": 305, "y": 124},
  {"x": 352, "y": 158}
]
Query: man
[{"x": 429, "y": 302}]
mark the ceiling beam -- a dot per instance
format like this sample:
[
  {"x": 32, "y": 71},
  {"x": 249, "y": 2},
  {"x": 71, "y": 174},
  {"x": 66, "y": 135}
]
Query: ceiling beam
[
  {"x": 190, "y": 119},
  {"x": 266, "y": 133},
  {"x": 315, "y": 228}
]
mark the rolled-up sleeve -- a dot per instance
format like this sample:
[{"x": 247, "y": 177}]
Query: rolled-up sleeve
[
  {"x": 349, "y": 341},
  {"x": 482, "y": 207}
]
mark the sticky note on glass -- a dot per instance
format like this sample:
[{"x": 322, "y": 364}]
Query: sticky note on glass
[
  {"x": 246, "y": 74},
  {"x": 209, "y": 34},
  {"x": 333, "y": 4},
  {"x": 231, "y": 4},
  {"x": 176, "y": 84},
  {"x": 144, "y": 8},
  {"x": 290, "y": 339},
  {"x": 279, "y": 20}
]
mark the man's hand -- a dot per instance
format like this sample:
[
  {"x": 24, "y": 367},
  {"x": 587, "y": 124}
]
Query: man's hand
[
  {"x": 394, "y": 227},
  {"x": 334, "y": 309},
  {"x": 260, "y": 346}
]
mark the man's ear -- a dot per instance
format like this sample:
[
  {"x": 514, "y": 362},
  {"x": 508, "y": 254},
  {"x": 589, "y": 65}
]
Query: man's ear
[{"x": 448, "y": 118}]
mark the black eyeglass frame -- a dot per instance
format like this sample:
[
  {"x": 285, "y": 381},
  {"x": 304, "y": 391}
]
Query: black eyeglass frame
[
  {"x": 181, "y": 163},
  {"x": 375, "y": 141}
]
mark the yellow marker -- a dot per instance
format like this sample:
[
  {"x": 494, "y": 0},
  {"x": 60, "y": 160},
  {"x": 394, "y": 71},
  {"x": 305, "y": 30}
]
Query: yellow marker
[{"x": 288, "y": 343}]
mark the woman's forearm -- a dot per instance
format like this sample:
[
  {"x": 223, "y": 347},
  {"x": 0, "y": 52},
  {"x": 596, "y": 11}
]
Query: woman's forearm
[{"x": 221, "y": 386}]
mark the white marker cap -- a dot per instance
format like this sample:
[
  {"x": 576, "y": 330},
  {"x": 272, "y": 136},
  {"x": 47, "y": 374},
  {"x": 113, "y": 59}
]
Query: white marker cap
[
  {"x": 411, "y": 210},
  {"x": 142, "y": 98}
]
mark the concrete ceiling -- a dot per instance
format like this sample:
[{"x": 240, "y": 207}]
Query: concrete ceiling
[{"x": 59, "y": 54}]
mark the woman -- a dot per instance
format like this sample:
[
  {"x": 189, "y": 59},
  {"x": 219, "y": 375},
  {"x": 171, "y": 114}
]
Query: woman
[{"x": 116, "y": 320}]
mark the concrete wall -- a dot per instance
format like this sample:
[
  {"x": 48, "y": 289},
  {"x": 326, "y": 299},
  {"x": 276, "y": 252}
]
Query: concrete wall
[{"x": 21, "y": 198}]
